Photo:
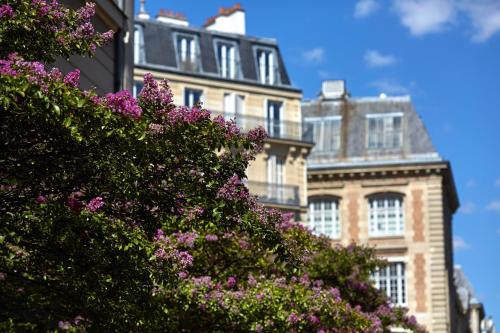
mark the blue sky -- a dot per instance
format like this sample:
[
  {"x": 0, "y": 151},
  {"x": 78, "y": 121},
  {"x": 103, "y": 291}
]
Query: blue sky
[{"x": 444, "y": 53}]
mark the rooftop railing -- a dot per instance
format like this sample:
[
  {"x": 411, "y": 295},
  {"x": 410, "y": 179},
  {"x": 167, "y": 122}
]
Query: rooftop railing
[{"x": 275, "y": 193}]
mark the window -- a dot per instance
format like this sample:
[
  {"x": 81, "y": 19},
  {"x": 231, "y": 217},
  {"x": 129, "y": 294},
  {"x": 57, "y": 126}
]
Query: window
[
  {"x": 274, "y": 116},
  {"x": 267, "y": 66},
  {"x": 391, "y": 280},
  {"x": 139, "y": 55},
  {"x": 233, "y": 104},
  {"x": 275, "y": 177},
  {"x": 192, "y": 96},
  {"x": 324, "y": 217},
  {"x": 384, "y": 131},
  {"x": 137, "y": 88},
  {"x": 385, "y": 215},
  {"x": 187, "y": 53},
  {"x": 326, "y": 133},
  {"x": 228, "y": 60}
]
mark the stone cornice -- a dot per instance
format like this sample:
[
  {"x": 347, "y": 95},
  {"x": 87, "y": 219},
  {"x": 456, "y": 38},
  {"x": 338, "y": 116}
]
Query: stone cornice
[{"x": 381, "y": 175}]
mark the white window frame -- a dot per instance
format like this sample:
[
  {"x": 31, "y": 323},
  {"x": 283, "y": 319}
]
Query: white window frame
[
  {"x": 231, "y": 102},
  {"x": 321, "y": 227},
  {"x": 320, "y": 144},
  {"x": 223, "y": 63},
  {"x": 380, "y": 220},
  {"x": 386, "y": 134},
  {"x": 182, "y": 54},
  {"x": 270, "y": 120},
  {"x": 139, "y": 52},
  {"x": 276, "y": 168},
  {"x": 267, "y": 62},
  {"x": 387, "y": 283}
]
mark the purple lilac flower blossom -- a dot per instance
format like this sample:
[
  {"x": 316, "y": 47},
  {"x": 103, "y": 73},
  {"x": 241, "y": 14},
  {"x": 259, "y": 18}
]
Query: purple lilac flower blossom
[
  {"x": 95, "y": 204},
  {"x": 72, "y": 78},
  {"x": 231, "y": 282},
  {"x": 6, "y": 11},
  {"x": 41, "y": 199},
  {"x": 293, "y": 319},
  {"x": 123, "y": 103},
  {"x": 153, "y": 95},
  {"x": 211, "y": 238},
  {"x": 233, "y": 189}
]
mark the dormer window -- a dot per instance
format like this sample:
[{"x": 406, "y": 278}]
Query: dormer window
[
  {"x": 139, "y": 55},
  {"x": 267, "y": 66},
  {"x": 187, "y": 53},
  {"x": 228, "y": 59},
  {"x": 326, "y": 133},
  {"x": 385, "y": 131}
]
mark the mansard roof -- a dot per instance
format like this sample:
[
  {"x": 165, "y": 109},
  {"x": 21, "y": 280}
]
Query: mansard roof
[
  {"x": 353, "y": 113},
  {"x": 160, "y": 52}
]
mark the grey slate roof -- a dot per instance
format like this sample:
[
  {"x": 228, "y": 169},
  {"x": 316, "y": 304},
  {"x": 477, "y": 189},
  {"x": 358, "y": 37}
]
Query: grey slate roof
[
  {"x": 416, "y": 143},
  {"x": 160, "y": 52}
]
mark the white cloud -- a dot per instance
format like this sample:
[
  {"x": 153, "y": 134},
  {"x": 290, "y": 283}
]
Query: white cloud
[
  {"x": 315, "y": 55},
  {"x": 390, "y": 87},
  {"x": 374, "y": 58},
  {"x": 497, "y": 182},
  {"x": 423, "y": 17},
  {"x": 498, "y": 232},
  {"x": 365, "y": 8},
  {"x": 459, "y": 244},
  {"x": 484, "y": 16},
  {"x": 494, "y": 206},
  {"x": 324, "y": 74},
  {"x": 471, "y": 183},
  {"x": 468, "y": 208}
]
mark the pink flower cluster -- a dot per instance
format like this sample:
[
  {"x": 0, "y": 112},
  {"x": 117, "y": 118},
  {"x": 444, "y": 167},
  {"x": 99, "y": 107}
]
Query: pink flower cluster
[
  {"x": 257, "y": 137},
  {"x": 186, "y": 238},
  {"x": 95, "y": 204},
  {"x": 155, "y": 96},
  {"x": 167, "y": 251},
  {"x": 123, "y": 103},
  {"x": 211, "y": 238},
  {"x": 72, "y": 78},
  {"x": 230, "y": 128},
  {"x": 6, "y": 11},
  {"x": 233, "y": 189},
  {"x": 185, "y": 115},
  {"x": 66, "y": 31}
]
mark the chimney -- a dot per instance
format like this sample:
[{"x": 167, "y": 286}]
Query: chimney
[
  {"x": 333, "y": 89},
  {"x": 231, "y": 20},
  {"x": 143, "y": 14},
  {"x": 169, "y": 16}
]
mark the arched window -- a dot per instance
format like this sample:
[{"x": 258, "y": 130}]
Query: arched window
[
  {"x": 385, "y": 215},
  {"x": 139, "y": 54},
  {"x": 324, "y": 216}
]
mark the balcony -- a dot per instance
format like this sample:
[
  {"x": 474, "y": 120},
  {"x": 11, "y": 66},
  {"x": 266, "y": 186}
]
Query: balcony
[
  {"x": 276, "y": 129},
  {"x": 277, "y": 194}
]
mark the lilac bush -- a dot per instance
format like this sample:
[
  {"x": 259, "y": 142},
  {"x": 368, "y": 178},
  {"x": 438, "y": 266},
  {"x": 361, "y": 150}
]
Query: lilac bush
[{"x": 123, "y": 214}]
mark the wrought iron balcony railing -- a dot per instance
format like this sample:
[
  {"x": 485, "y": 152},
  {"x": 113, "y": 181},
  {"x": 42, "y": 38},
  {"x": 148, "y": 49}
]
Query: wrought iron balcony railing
[
  {"x": 276, "y": 129},
  {"x": 275, "y": 193}
]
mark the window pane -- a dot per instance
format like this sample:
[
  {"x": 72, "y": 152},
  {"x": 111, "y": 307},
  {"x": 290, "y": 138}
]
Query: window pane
[
  {"x": 385, "y": 215},
  {"x": 324, "y": 217}
]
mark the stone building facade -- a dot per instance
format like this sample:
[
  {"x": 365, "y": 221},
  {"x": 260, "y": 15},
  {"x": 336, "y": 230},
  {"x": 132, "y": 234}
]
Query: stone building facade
[
  {"x": 375, "y": 178},
  {"x": 240, "y": 77}
]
